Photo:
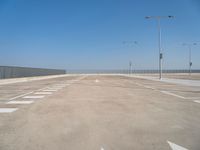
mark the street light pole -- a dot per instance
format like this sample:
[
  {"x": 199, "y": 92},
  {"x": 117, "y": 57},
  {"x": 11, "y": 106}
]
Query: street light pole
[
  {"x": 158, "y": 18},
  {"x": 160, "y": 49},
  {"x": 190, "y": 55},
  {"x": 190, "y": 60},
  {"x": 130, "y": 67},
  {"x": 130, "y": 43}
]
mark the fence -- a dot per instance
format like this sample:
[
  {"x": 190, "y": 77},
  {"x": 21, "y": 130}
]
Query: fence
[
  {"x": 15, "y": 72},
  {"x": 126, "y": 71}
]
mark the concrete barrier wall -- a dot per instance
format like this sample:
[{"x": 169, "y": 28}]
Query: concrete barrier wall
[{"x": 16, "y": 72}]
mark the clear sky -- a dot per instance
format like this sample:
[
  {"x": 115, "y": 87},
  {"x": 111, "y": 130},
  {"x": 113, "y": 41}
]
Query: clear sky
[{"x": 89, "y": 34}]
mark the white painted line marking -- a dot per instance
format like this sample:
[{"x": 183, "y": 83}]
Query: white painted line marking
[
  {"x": 19, "y": 102},
  {"x": 58, "y": 86},
  {"x": 7, "y": 110},
  {"x": 20, "y": 95},
  {"x": 34, "y": 97},
  {"x": 172, "y": 94},
  {"x": 192, "y": 97},
  {"x": 48, "y": 90},
  {"x": 175, "y": 146},
  {"x": 149, "y": 87},
  {"x": 42, "y": 88},
  {"x": 43, "y": 93},
  {"x": 54, "y": 88},
  {"x": 138, "y": 84},
  {"x": 197, "y": 101},
  {"x": 102, "y": 148}
]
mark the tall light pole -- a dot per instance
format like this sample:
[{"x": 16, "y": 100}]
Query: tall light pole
[
  {"x": 130, "y": 43},
  {"x": 158, "y": 18},
  {"x": 190, "y": 54},
  {"x": 130, "y": 67}
]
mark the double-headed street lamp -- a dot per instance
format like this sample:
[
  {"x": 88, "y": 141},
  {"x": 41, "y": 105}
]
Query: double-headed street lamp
[
  {"x": 158, "y": 18},
  {"x": 190, "y": 54},
  {"x": 130, "y": 43}
]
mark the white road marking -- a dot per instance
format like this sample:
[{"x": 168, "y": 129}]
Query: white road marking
[
  {"x": 42, "y": 89},
  {"x": 138, "y": 84},
  {"x": 96, "y": 81},
  {"x": 20, "y": 95},
  {"x": 175, "y": 146},
  {"x": 146, "y": 86},
  {"x": 102, "y": 148},
  {"x": 43, "y": 93},
  {"x": 197, "y": 101},
  {"x": 49, "y": 90},
  {"x": 55, "y": 88},
  {"x": 34, "y": 97},
  {"x": 168, "y": 93},
  {"x": 172, "y": 94},
  {"x": 25, "y": 94},
  {"x": 149, "y": 87},
  {"x": 7, "y": 110},
  {"x": 60, "y": 85},
  {"x": 192, "y": 98},
  {"x": 19, "y": 102}
]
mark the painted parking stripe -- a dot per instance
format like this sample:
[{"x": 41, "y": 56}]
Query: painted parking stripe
[
  {"x": 50, "y": 90},
  {"x": 7, "y": 110},
  {"x": 175, "y": 146},
  {"x": 34, "y": 97},
  {"x": 43, "y": 93},
  {"x": 53, "y": 89},
  {"x": 19, "y": 102},
  {"x": 172, "y": 94},
  {"x": 55, "y": 86},
  {"x": 149, "y": 87},
  {"x": 197, "y": 101},
  {"x": 192, "y": 97},
  {"x": 59, "y": 86},
  {"x": 20, "y": 95}
]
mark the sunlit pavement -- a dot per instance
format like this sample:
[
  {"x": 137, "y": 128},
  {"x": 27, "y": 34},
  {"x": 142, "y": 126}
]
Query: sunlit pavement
[{"x": 97, "y": 112}]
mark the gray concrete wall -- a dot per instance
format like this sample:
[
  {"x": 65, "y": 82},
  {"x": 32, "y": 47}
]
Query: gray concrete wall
[{"x": 16, "y": 72}]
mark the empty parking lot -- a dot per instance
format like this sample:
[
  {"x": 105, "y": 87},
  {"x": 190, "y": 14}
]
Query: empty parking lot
[{"x": 99, "y": 112}]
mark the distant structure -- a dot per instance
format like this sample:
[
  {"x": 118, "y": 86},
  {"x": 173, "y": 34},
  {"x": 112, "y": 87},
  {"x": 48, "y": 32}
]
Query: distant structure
[{"x": 16, "y": 72}]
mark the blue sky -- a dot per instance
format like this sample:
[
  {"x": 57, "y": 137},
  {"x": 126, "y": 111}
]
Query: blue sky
[{"x": 89, "y": 34}]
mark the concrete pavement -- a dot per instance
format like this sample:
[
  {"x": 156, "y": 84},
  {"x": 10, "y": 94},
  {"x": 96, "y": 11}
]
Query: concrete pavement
[
  {"x": 99, "y": 113},
  {"x": 185, "y": 82}
]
